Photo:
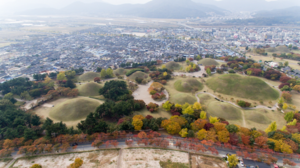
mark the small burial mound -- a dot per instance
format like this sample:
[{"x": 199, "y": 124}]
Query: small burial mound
[
  {"x": 120, "y": 71},
  {"x": 74, "y": 109},
  {"x": 188, "y": 85},
  {"x": 224, "y": 110},
  {"x": 242, "y": 86},
  {"x": 173, "y": 65},
  {"x": 89, "y": 89},
  {"x": 182, "y": 98},
  {"x": 208, "y": 62},
  {"x": 280, "y": 49},
  {"x": 89, "y": 76}
]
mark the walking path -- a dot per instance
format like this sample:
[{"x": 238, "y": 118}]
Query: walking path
[{"x": 119, "y": 165}]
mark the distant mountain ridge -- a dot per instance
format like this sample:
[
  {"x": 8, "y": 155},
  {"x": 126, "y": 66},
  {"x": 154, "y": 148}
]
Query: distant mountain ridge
[
  {"x": 177, "y": 9},
  {"x": 292, "y": 12}
]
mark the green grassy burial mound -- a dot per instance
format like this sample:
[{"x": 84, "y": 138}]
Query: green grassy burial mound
[
  {"x": 188, "y": 85},
  {"x": 89, "y": 89},
  {"x": 208, "y": 62}
]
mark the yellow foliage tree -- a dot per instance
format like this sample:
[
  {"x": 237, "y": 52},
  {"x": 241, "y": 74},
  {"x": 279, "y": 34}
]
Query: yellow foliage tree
[
  {"x": 213, "y": 119},
  {"x": 61, "y": 76},
  {"x": 197, "y": 106},
  {"x": 183, "y": 133},
  {"x": 283, "y": 128},
  {"x": 285, "y": 106},
  {"x": 77, "y": 163},
  {"x": 297, "y": 88},
  {"x": 219, "y": 126},
  {"x": 201, "y": 134},
  {"x": 180, "y": 120},
  {"x": 186, "y": 105},
  {"x": 36, "y": 166},
  {"x": 178, "y": 105},
  {"x": 296, "y": 137},
  {"x": 292, "y": 123},
  {"x": 140, "y": 117},
  {"x": 232, "y": 160},
  {"x": 164, "y": 67},
  {"x": 137, "y": 123},
  {"x": 173, "y": 128},
  {"x": 165, "y": 123},
  {"x": 277, "y": 144},
  {"x": 211, "y": 135},
  {"x": 271, "y": 127},
  {"x": 223, "y": 136},
  {"x": 188, "y": 110},
  {"x": 285, "y": 148},
  {"x": 165, "y": 73},
  {"x": 198, "y": 124},
  {"x": 47, "y": 80},
  {"x": 203, "y": 115}
]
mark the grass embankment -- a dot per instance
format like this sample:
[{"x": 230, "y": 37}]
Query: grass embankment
[
  {"x": 187, "y": 85},
  {"x": 177, "y": 96},
  {"x": 242, "y": 86},
  {"x": 89, "y": 89},
  {"x": 89, "y": 76},
  {"x": 208, "y": 62},
  {"x": 74, "y": 109},
  {"x": 173, "y": 65}
]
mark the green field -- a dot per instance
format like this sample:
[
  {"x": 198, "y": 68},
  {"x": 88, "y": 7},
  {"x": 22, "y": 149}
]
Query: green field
[
  {"x": 188, "y": 85},
  {"x": 208, "y": 62},
  {"x": 173, "y": 66},
  {"x": 242, "y": 86},
  {"x": 89, "y": 76},
  {"x": 74, "y": 109},
  {"x": 89, "y": 89}
]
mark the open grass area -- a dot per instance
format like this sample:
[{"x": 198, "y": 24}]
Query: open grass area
[
  {"x": 242, "y": 86},
  {"x": 188, "y": 85},
  {"x": 296, "y": 99},
  {"x": 120, "y": 71},
  {"x": 89, "y": 89},
  {"x": 74, "y": 109},
  {"x": 208, "y": 62},
  {"x": 173, "y": 65},
  {"x": 177, "y": 96},
  {"x": 161, "y": 113},
  {"x": 89, "y": 76},
  {"x": 261, "y": 118}
]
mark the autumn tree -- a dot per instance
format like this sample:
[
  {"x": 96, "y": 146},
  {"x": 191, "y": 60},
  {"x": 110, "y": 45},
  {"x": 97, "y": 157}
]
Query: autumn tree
[
  {"x": 289, "y": 116},
  {"x": 77, "y": 163},
  {"x": 97, "y": 79},
  {"x": 261, "y": 141},
  {"x": 219, "y": 126},
  {"x": 286, "y": 95},
  {"x": 223, "y": 136},
  {"x": 36, "y": 166},
  {"x": 232, "y": 128},
  {"x": 271, "y": 127},
  {"x": 197, "y": 106},
  {"x": 189, "y": 110},
  {"x": 213, "y": 120},
  {"x": 183, "y": 133},
  {"x": 297, "y": 88},
  {"x": 173, "y": 128},
  {"x": 203, "y": 115},
  {"x": 198, "y": 124},
  {"x": 232, "y": 160}
]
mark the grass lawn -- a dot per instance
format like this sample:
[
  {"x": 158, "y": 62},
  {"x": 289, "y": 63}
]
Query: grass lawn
[
  {"x": 74, "y": 109},
  {"x": 242, "y": 86},
  {"x": 179, "y": 97},
  {"x": 89, "y": 76},
  {"x": 89, "y": 89},
  {"x": 161, "y": 113},
  {"x": 296, "y": 99},
  {"x": 187, "y": 85}
]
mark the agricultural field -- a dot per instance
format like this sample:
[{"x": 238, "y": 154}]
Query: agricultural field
[
  {"x": 242, "y": 86},
  {"x": 153, "y": 158},
  {"x": 89, "y": 89},
  {"x": 200, "y": 161},
  {"x": 208, "y": 62},
  {"x": 64, "y": 108},
  {"x": 89, "y": 76},
  {"x": 94, "y": 159}
]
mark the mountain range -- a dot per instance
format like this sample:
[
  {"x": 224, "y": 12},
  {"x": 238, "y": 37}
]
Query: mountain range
[{"x": 178, "y": 9}]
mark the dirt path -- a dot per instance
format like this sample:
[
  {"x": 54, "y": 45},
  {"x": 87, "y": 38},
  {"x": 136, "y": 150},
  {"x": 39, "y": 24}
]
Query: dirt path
[
  {"x": 244, "y": 120},
  {"x": 119, "y": 164},
  {"x": 142, "y": 94}
]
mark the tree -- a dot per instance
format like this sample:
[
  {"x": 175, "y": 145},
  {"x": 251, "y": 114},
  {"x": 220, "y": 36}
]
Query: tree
[
  {"x": 233, "y": 160},
  {"x": 61, "y": 76},
  {"x": 114, "y": 90},
  {"x": 173, "y": 128},
  {"x": 261, "y": 141},
  {"x": 77, "y": 163},
  {"x": 285, "y": 106},
  {"x": 213, "y": 120},
  {"x": 167, "y": 105},
  {"x": 137, "y": 123},
  {"x": 183, "y": 133},
  {"x": 103, "y": 73},
  {"x": 197, "y": 106},
  {"x": 47, "y": 80},
  {"x": 208, "y": 71},
  {"x": 297, "y": 88},
  {"x": 203, "y": 115},
  {"x": 97, "y": 79},
  {"x": 99, "y": 69},
  {"x": 201, "y": 134},
  {"x": 188, "y": 110},
  {"x": 286, "y": 63},
  {"x": 285, "y": 148},
  {"x": 232, "y": 128},
  {"x": 223, "y": 136},
  {"x": 288, "y": 116},
  {"x": 109, "y": 73},
  {"x": 36, "y": 166},
  {"x": 284, "y": 79},
  {"x": 286, "y": 95},
  {"x": 271, "y": 127}
]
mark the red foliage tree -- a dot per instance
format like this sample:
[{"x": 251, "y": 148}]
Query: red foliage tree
[{"x": 284, "y": 79}]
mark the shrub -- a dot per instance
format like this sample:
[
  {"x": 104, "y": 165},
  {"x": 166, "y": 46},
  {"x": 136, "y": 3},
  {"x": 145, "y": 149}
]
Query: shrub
[
  {"x": 152, "y": 92},
  {"x": 242, "y": 103},
  {"x": 152, "y": 107},
  {"x": 163, "y": 82},
  {"x": 286, "y": 95},
  {"x": 231, "y": 71},
  {"x": 138, "y": 80}
]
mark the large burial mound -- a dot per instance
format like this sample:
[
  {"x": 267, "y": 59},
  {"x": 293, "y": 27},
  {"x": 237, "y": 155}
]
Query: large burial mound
[
  {"x": 173, "y": 66},
  {"x": 120, "y": 71},
  {"x": 243, "y": 87},
  {"x": 208, "y": 62},
  {"x": 74, "y": 109},
  {"x": 89, "y": 89},
  {"x": 89, "y": 76},
  {"x": 188, "y": 85},
  {"x": 138, "y": 74},
  {"x": 279, "y": 49}
]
